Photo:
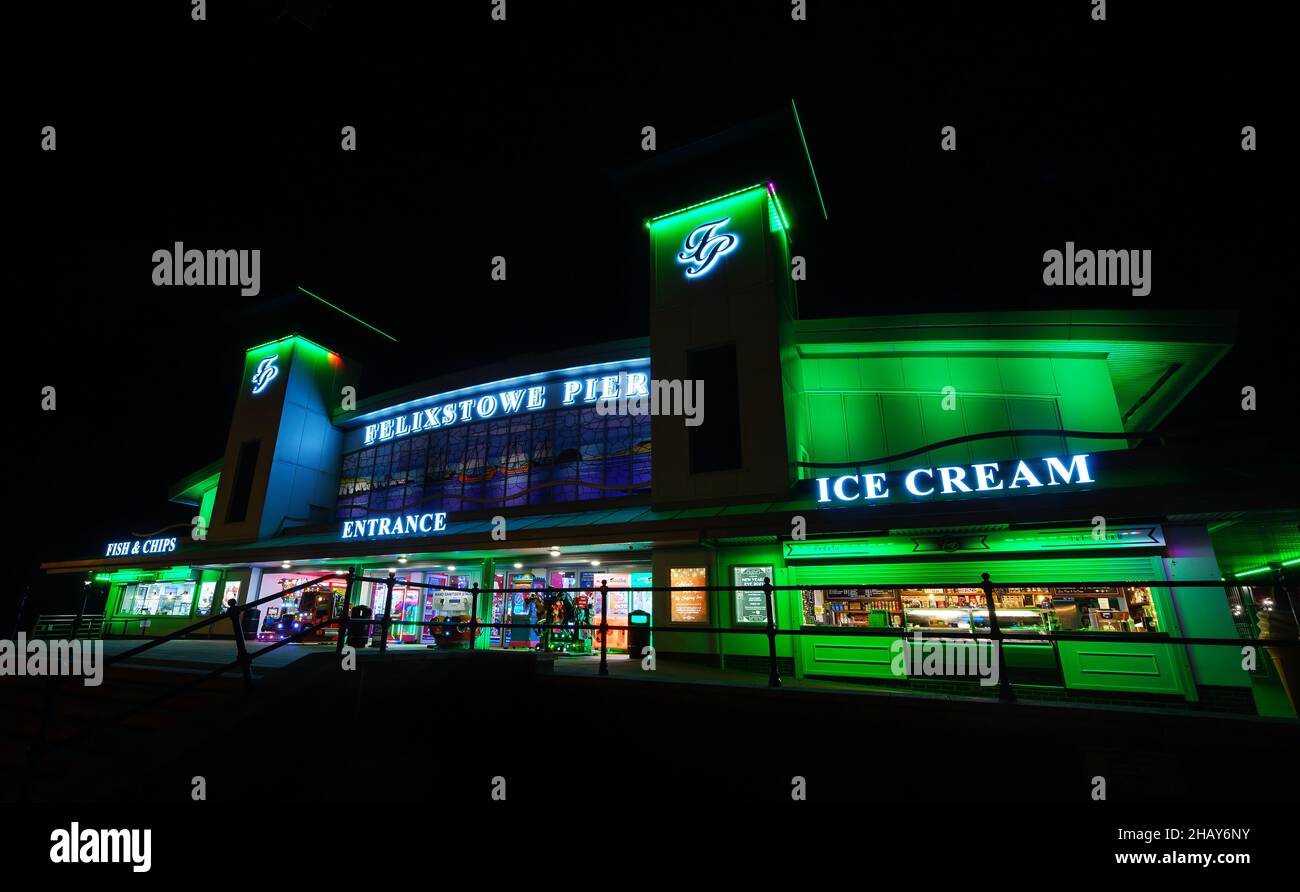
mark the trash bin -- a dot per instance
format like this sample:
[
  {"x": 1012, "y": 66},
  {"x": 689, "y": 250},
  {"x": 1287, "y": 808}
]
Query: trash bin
[
  {"x": 359, "y": 632},
  {"x": 249, "y": 622},
  {"x": 638, "y": 633}
]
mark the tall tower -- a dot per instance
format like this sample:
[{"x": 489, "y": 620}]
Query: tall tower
[
  {"x": 722, "y": 311},
  {"x": 282, "y": 454}
]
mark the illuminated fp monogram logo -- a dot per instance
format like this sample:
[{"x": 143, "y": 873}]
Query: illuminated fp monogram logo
[
  {"x": 265, "y": 374},
  {"x": 704, "y": 246}
]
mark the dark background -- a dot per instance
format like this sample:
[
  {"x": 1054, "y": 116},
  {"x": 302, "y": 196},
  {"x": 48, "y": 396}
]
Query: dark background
[{"x": 523, "y": 139}]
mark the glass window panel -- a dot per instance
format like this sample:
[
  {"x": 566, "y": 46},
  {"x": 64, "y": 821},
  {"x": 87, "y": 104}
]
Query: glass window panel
[{"x": 534, "y": 458}]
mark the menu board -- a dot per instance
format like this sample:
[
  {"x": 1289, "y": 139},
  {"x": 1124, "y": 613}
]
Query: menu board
[
  {"x": 751, "y": 603},
  {"x": 207, "y": 592},
  {"x": 642, "y": 600},
  {"x": 688, "y": 607},
  {"x": 231, "y": 593},
  {"x": 1086, "y": 590}
]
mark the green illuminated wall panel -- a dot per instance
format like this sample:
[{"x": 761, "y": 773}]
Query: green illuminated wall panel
[
  {"x": 205, "y": 506},
  {"x": 788, "y": 609},
  {"x": 854, "y": 408},
  {"x": 966, "y": 571}
]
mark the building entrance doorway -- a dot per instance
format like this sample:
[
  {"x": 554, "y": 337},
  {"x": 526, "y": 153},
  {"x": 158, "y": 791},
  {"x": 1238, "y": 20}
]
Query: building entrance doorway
[{"x": 542, "y": 606}]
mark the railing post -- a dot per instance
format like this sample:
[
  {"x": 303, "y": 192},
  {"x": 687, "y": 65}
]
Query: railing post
[
  {"x": 773, "y": 670},
  {"x": 244, "y": 666},
  {"x": 543, "y": 621},
  {"x": 36, "y": 750},
  {"x": 995, "y": 634},
  {"x": 388, "y": 612},
  {"x": 473, "y": 618},
  {"x": 343, "y": 620},
  {"x": 604, "y": 627},
  {"x": 18, "y": 613},
  {"x": 81, "y": 611},
  {"x": 1280, "y": 588}
]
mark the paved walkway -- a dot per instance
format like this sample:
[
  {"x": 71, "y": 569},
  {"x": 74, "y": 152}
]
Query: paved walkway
[
  {"x": 690, "y": 673},
  {"x": 200, "y": 653},
  {"x": 186, "y": 652}
]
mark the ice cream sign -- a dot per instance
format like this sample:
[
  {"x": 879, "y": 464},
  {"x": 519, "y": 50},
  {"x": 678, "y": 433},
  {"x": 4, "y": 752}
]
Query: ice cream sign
[{"x": 955, "y": 480}]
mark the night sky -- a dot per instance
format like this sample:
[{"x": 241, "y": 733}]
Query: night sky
[{"x": 477, "y": 139}]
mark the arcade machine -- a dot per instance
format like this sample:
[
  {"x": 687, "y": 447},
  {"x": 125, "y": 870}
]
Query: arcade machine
[
  {"x": 310, "y": 606},
  {"x": 498, "y": 610},
  {"x": 619, "y": 608},
  {"x": 272, "y": 628},
  {"x": 438, "y": 602},
  {"x": 562, "y": 610},
  {"x": 407, "y": 610},
  {"x": 521, "y": 610},
  {"x": 447, "y": 625},
  {"x": 278, "y": 619}
]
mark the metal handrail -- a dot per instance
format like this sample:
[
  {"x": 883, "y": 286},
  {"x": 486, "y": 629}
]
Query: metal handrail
[
  {"x": 866, "y": 631},
  {"x": 41, "y": 745},
  {"x": 216, "y": 618},
  {"x": 864, "y": 586},
  {"x": 243, "y": 660}
]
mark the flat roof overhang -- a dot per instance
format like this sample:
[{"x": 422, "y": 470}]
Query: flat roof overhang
[
  {"x": 190, "y": 489},
  {"x": 516, "y": 370},
  {"x": 1154, "y": 357},
  {"x": 1191, "y": 482}
]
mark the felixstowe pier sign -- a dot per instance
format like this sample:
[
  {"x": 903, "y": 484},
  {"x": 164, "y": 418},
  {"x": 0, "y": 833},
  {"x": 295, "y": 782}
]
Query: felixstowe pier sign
[
  {"x": 555, "y": 390},
  {"x": 954, "y": 480}
]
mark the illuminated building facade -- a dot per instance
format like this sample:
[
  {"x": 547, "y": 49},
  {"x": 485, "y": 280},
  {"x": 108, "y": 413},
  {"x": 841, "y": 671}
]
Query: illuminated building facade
[{"x": 877, "y": 465}]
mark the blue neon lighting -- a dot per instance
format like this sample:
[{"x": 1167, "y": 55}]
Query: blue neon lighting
[
  {"x": 704, "y": 245},
  {"x": 265, "y": 374}
]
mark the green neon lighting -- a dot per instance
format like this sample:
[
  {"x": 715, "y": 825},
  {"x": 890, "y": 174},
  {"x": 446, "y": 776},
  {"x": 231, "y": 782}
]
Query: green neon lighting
[
  {"x": 776, "y": 219},
  {"x": 293, "y": 337},
  {"x": 808, "y": 155},
  {"x": 346, "y": 313},
  {"x": 1258, "y": 570},
  {"x": 992, "y": 541},
  {"x": 779, "y": 208},
  {"x": 171, "y": 574},
  {"x": 700, "y": 204}
]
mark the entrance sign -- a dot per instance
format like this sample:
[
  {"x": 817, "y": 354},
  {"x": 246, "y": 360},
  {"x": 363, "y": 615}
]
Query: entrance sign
[
  {"x": 923, "y": 483},
  {"x": 398, "y": 525}
]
